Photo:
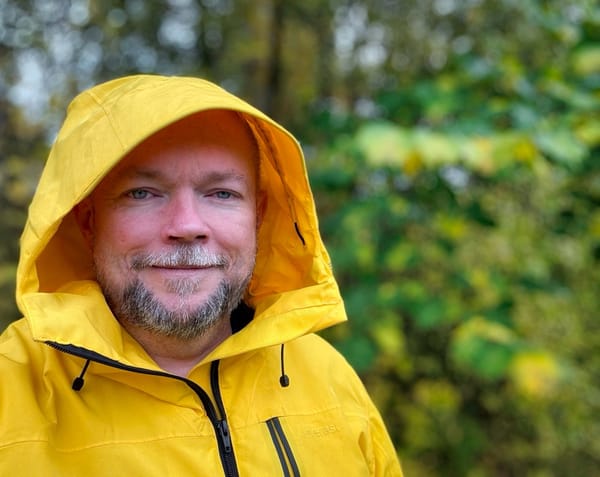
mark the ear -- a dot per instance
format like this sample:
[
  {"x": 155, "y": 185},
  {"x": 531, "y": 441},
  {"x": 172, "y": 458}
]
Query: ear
[{"x": 84, "y": 216}]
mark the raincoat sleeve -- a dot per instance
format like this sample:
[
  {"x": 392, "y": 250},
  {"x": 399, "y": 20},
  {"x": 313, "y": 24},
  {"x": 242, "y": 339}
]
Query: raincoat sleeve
[{"x": 385, "y": 460}]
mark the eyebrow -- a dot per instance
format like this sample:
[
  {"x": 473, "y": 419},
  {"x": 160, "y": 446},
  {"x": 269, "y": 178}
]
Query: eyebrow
[
  {"x": 210, "y": 177},
  {"x": 224, "y": 176}
]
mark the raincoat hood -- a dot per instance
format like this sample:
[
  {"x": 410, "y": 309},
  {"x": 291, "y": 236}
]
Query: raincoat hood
[{"x": 293, "y": 291}]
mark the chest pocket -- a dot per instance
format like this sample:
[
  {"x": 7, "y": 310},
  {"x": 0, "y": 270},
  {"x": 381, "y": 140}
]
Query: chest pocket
[{"x": 283, "y": 448}]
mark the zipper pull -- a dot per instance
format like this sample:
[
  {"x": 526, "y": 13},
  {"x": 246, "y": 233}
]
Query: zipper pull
[{"x": 224, "y": 435}]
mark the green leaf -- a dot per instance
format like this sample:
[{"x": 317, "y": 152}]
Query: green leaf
[
  {"x": 383, "y": 143},
  {"x": 562, "y": 146},
  {"x": 359, "y": 351},
  {"x": 430, "y": 314},
  {"x": 483, "y": 347}
]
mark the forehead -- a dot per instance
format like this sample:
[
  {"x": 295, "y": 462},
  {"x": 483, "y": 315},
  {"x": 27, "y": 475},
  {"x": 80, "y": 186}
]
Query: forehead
[{"x": 209, "y": 140}]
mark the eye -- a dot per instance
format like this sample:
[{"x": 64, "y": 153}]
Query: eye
[
  {"x": 223, "y": 194},
  {"x": 138, "y": 194}
]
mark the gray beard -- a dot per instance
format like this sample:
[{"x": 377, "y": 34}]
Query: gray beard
[{"x": 137, "y": 307}]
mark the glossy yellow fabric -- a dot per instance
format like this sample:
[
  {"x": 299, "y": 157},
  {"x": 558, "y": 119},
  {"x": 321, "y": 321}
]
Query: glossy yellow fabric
[{"x": 126, "y": 423}]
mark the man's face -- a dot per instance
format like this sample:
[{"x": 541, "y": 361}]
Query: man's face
[{"x": 173, "y": 227}]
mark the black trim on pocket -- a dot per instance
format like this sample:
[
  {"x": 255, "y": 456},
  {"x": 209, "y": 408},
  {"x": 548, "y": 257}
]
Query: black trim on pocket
[{"x": 282, "y": 446}]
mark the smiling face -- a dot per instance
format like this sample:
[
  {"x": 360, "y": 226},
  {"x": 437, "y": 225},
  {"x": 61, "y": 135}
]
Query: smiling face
[{"x": 173, "y": 226}]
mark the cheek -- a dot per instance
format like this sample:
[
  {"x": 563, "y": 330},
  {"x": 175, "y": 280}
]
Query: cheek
[
  {"x": 119, "y": 233},
  {"x": 240, "y": 236}
]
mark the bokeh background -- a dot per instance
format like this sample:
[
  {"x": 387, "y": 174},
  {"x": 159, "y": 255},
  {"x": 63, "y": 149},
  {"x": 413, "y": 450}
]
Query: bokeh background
[{"x": 454, "y": 151}]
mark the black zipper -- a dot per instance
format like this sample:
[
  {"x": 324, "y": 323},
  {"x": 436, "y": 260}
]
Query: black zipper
[
  {"x": 283, "y": 448},
  {"x": 225, "y": 446},
  {"x": 217, "y": 419}
]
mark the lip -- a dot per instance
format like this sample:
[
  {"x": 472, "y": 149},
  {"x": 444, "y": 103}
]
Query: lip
[
  {"x": 182, "y": 267},
  {"x": 181, "y": 271}
]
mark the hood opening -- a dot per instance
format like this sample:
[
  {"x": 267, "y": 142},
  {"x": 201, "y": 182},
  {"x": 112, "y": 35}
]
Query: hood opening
[{"x": 292, "y": 279}]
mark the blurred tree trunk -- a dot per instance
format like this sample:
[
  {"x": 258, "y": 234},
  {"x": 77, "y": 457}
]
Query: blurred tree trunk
[
  {"x": 273, "y": 89},
  {"x": 207, "y": 57},
  {"x": 325, "y": 55}
]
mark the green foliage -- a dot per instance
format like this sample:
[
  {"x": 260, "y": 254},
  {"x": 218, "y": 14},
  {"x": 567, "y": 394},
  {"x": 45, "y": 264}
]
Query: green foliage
[
  {"x": 454, "y": 152},
  {"x": 467, "y": 248}
]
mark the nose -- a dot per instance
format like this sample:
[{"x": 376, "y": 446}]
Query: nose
[{"x": 184, "y": 220}]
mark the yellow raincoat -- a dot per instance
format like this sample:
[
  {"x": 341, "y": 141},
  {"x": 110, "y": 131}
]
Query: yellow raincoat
[{"x": 80, "y": 397}]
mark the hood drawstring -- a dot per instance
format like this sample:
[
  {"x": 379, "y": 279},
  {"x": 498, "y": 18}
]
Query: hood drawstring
[
  {"x": 78, "y": 381},
  {"x": 284, "y": 379}
]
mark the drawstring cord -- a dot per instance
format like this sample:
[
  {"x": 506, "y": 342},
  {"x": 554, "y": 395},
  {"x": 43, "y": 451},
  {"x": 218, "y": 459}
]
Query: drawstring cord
[
  {"x": 284, "y": 379},
  {"x": 78, "y": 381}
]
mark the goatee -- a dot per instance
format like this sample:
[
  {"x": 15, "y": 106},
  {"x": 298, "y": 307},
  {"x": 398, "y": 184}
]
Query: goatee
[{"x": 136, "y": 306}]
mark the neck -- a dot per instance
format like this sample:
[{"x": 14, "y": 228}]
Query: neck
[{"x": 180, "y": 356}]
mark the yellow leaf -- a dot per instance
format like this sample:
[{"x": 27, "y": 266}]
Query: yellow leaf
[
  {"x": 588, "y": 132},
  {"x": 389, "y": 337},
  {"x": 587, "y": 60},
  {"x": 412, "y": 164},
  {"x": 452, "y": 227},
  {"x": 477, "y": 152},
  {"x": 525, "y": 151},
  {"x": 594, "y": 225},
  {"x": 535, "y": 374}
]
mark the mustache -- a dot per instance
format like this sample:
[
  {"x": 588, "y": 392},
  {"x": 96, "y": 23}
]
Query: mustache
[{"x": 191, "y": 256}]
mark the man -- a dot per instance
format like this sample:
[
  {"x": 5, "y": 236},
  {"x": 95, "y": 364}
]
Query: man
[{"x": 172, "y": 277}]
